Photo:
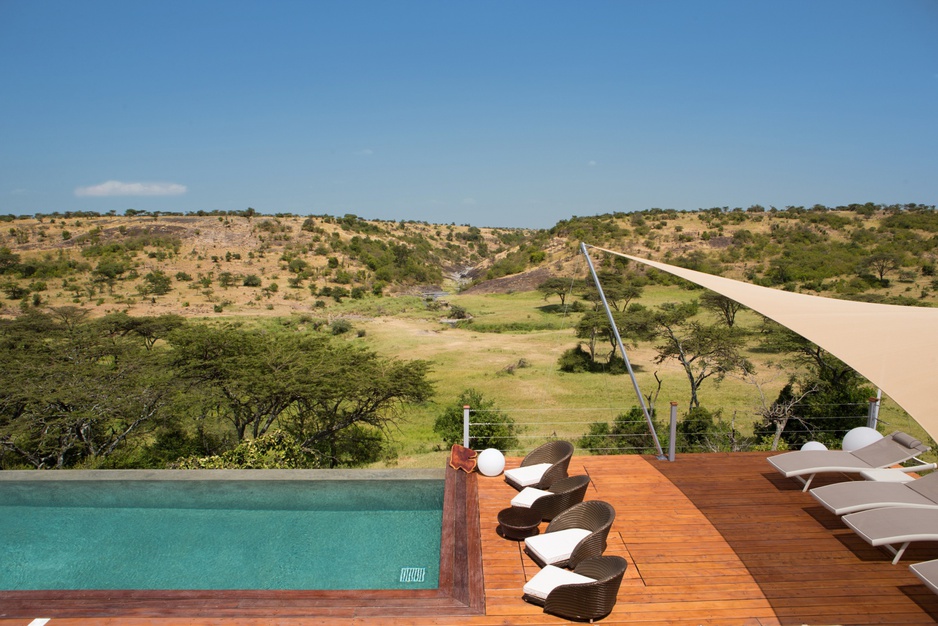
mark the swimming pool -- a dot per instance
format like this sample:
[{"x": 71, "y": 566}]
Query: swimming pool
[{"x": 321, "y": 530}]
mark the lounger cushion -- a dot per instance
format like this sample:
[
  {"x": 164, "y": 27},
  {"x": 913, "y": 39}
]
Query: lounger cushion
[
  {"x": 528, "y": 474},
  {"x": 889, "y": 450},
  {"x": 812, "y": 461},
  {"x": 927, "y": 572},
  {"x": 557, "y": 546},
  {"x": 550, "y": 578},
  {"x": 527, "y": 496},
  {"x": 892, "y": 525},
  {"x": 926, "y": 486},
  {"x": 859, "y": 495}
]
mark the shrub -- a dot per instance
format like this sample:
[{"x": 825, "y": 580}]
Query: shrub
[
  {"x": 695, "y": 429},
  {"x": 493, "y": 428},
  {"x": 251, "y": 280},
  {"x": 575, "y": 360},
  {"x": 156, "y": 282},
  {"x": 276, "y": 450},
  {"x": 628, "y": 434},
  {"x": 340, "y": 326},
  {"x": 457, "y": 312}
]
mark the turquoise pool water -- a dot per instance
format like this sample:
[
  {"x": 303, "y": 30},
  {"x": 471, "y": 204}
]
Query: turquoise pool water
[{"x": 184, "y": 534}]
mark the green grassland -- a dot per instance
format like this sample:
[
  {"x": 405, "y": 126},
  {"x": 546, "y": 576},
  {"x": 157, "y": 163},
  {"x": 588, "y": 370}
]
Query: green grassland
[{"x": 521, "y": 328}]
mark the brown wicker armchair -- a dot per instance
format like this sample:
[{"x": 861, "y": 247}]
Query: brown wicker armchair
[
  {"x": 556, "y": 453},
  {"x": 586, "y": 600},
  {"x": 563, "y": 494},
  {"x": 594, "y": 516}
]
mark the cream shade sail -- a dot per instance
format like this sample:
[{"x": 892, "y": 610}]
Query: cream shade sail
[{"x": 894, "y": 347}]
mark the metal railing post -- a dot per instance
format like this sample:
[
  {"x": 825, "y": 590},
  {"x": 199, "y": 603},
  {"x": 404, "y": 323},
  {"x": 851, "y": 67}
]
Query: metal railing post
[
  {"x": 672, "y": 440},
  {"x": 872, "y": 416},
  {"x": 465, "y": 426}
]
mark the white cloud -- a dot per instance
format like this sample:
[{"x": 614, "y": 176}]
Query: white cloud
[
  {"x": 592, "y": 163},
  {"x": 365, "y": 152},
  {"x": 118, "y": 188},
  {"x": 469, "y": 201}
]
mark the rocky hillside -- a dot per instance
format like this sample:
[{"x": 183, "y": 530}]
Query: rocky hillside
[{"x": 250, "y": 264}]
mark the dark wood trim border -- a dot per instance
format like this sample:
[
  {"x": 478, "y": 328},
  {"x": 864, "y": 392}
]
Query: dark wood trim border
[{"x": 461, "y": 589}]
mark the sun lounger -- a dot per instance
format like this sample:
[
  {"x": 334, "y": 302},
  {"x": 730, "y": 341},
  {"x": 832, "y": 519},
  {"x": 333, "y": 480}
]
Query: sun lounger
[
  {"x": 893, "y": 526},
  {"x": 891, "y": 450},
  {"x": 587, "y": 593},
  {"x": 576, "y": 534},
  {"x": 927, "y": 573},
  {"x": 860, "y": 495},
  {"x": 542, "y": 467}
]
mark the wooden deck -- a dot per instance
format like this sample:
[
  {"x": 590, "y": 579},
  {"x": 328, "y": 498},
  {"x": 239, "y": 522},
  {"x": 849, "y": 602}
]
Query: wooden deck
[{"x": 710, "y": 539}]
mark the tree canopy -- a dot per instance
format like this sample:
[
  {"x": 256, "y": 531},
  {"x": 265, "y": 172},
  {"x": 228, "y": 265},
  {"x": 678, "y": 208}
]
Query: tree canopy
[{"x": 93, "y": 393}]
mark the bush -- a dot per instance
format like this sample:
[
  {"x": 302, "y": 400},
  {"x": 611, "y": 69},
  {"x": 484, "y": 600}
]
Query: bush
[
  {"x": 575, "y": 360},
  {"x": 156, "y": 282},
  {"x": 493, "y": 429},
  {"x": 252, "y": 280},
  {"x": 275, "y": 450},
  {"x": 457, "y": 312},
  {"x": 695, "y": 430},
  {"x": 628, "y": 434},
  {"x": 340, "y": 326}
]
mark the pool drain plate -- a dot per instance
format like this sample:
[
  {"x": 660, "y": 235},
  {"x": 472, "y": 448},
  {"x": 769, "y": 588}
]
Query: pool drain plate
[{"x": 413, "y": 574}]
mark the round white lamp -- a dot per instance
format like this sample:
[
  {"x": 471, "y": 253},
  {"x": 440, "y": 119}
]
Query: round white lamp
[
  {"x": 860, "y": 437},
  {"x": 814, "y": 445},
  {"x": 491, "y": 462}
]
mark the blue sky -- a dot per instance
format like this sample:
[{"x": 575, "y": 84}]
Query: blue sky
[{"x": 491, "y": 113}]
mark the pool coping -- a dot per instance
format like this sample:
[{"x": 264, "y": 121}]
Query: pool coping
[
  {"x": 220, "y": 474},
  {"x": 460, "y": 591}
]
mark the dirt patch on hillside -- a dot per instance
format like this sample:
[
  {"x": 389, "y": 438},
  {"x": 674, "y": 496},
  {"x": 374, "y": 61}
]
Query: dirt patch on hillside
[{"x": 528, "y": 281}]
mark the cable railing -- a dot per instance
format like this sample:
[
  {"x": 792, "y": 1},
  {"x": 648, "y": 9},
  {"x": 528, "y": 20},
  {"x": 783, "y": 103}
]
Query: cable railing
[{"x": 729, "y": 430}]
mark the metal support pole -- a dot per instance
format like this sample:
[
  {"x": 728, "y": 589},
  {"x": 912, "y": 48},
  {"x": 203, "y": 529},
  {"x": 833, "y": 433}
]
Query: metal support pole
[
  {"x": 465, "y": 426},
  {"x": 672, "y": 441},
  {"x": 625, "y": 358}
]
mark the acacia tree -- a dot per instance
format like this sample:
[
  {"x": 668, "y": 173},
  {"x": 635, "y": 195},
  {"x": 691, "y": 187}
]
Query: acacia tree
[
  {"x": 352, "y": 400},
  {"x": 635, "y": 324},
  {"x": 827, "y": 398},
  {"x": 71, "y": 395},
  {"x": 703, "y": 350},
  {"x": 149, "y": 328},
  {"x": 883, "y": 260},
  {"x": 555, "y": 286},
  {"x": 247, "y": 378},
  {"x": 619, "y": 288},
  {"x": 725, "y": 308},
  {"x": 335, "y": 399}
]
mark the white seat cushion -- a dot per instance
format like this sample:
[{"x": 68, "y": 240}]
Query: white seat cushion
[
  {"x": 550, "y": 578},
  {"x": 528, "y": 474},
  {"x": 556, "y": 546},
  {"x": 527, "y": 496}
]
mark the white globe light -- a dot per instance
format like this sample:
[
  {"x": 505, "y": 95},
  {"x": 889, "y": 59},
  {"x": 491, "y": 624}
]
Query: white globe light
[
  {"x": 491, "y": 462},
  {"x": 814, "y": 445},
  {"x": 860, "y": 437}
]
